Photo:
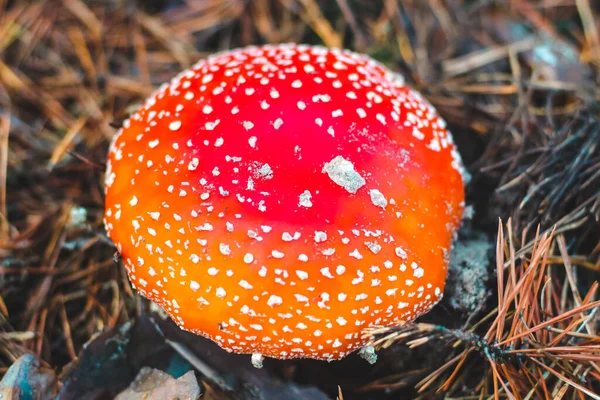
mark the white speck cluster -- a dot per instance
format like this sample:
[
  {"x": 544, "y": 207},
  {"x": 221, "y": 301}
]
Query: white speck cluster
[
  {"x": 281, "y": 199},
  {"x": 342, "y": 172}
]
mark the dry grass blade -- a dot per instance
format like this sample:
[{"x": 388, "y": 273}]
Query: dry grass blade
[
  {"x": 590, "y": 28},
  {"x": 66, "y": 142},
  {"x": 340, "y": 395},
  {"x": 476, "y": 60},
  {"x": 4, "y": 131},
  {"x": 313, "y": 17}
]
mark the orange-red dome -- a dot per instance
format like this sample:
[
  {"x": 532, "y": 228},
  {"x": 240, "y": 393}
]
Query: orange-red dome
[{"x": 281, "y": 199}]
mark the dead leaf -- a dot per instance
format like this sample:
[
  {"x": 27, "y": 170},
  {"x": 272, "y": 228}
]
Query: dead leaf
[
  {"x": 154, "y": 384},
  {"x": 28, "y": 379}
]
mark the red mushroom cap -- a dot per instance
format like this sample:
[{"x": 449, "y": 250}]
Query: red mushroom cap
[{"x": 281, "y": 199}]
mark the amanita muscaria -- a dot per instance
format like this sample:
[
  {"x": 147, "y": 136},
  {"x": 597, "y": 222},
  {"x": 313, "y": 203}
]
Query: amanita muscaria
[{"x": 281, "y": 199}]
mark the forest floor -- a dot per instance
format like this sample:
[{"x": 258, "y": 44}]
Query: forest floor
[{"x": 517, "y": 81}]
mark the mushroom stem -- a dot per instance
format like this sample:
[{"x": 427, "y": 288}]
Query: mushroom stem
[
  {"x": 257, "y": 360},
  {"x": 368, "y": 354}
]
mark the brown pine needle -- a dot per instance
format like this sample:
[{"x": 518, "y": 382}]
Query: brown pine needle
[
  {"x": 552, "y": 321},
  {"x": 66, "y": 142},
  {"x": 567, "y": 380},
  {"x": 517, "y": 323}
]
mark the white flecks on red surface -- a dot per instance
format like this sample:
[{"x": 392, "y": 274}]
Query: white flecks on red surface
[{"x": 281, "y": 199}]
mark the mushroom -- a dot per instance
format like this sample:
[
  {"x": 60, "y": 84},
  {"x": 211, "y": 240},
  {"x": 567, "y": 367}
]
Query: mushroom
[{"x": 281, "y": 199}]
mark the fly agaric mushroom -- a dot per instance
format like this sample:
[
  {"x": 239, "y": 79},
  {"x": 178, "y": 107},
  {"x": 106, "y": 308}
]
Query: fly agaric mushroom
[{"x": 281, "y": 199}]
